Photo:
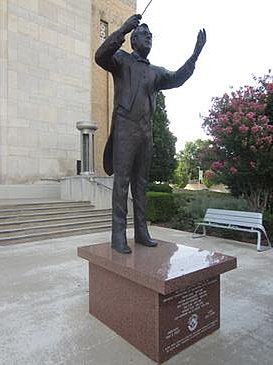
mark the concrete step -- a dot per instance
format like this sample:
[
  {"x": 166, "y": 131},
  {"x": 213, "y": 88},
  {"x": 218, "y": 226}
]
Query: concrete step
[
  {"x": 36, "y": 216},
  {"x": 43, "y": 207},
  {"x": 95, "y": 216},
  {"x": 34, "y": 221},
  {"x": 49, "y": 223},
  {"x": 46, "y": 203},
  {"x": 53, "y": 234},
  {"x": 39, "y": 236},
  {"x": 44, "y": 228}
]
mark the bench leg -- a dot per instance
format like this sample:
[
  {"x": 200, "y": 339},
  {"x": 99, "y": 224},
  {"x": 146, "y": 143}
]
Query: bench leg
[
  {"x": 258, "y": 241},
  {"x": 196, "y": 235},
  {"x": 268, "y": 242}
]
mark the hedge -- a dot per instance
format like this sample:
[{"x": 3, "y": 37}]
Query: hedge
[
  {"x": 182, "y": 210},
  {"x": 160, "y": 188},
  {"x": 160, "y": 207}
]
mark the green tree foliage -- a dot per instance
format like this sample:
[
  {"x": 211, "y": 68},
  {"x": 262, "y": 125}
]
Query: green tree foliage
[
  {"x": 189, "y": 159},
  {"x": 181, "y": 177},
  {"x": 163, "y": 161},
  {"x": 241, "y": 125}
]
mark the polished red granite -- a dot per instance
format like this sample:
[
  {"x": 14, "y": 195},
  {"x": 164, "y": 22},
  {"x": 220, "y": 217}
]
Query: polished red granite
[
  {"x": 161, "y": 299},
  {"x": 164, "y": 268}
]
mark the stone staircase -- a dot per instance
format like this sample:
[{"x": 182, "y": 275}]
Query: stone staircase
[{"x": 44, "y": 220}]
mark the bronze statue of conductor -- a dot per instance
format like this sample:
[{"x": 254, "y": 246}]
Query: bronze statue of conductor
[{"x": 128, "y": 150}]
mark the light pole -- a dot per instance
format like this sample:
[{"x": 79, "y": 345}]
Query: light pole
[{"x": 200, "y": 175}]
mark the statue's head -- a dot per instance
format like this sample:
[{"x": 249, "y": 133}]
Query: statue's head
[{"x": 141, "y": 40}]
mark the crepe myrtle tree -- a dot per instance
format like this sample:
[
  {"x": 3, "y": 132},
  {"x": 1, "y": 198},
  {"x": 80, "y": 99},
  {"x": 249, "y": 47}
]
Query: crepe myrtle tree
[{"x": 241, "y": 127}]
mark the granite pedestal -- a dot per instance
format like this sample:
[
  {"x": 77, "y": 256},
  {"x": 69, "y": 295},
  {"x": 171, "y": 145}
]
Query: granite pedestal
[{"x": 160, "y": 299}]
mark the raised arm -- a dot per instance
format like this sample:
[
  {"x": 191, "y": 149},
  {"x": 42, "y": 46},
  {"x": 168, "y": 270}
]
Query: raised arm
[
  {"x": 104, "y": 56},
  {"x": 169, "y": 80}
]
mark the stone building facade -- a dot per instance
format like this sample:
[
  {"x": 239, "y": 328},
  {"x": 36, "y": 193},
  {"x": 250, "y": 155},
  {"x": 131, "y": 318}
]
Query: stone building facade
[{"x": 49, "y": 81}]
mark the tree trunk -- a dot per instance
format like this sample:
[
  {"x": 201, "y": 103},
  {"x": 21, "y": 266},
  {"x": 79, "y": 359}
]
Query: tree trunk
[{"x": 258, "y": 199}]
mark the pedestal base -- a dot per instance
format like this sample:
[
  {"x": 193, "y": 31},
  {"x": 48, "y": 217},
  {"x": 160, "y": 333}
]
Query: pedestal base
[{"x": 162, "y": 299}]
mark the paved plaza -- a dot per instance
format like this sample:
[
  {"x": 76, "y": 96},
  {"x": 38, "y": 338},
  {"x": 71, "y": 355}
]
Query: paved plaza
[{"x": 44, "y": 317}]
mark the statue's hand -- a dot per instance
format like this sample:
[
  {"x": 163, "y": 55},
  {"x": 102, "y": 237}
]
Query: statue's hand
[
  {"x": 201, "y": 40},
  {"x": 131, "y": 23}
]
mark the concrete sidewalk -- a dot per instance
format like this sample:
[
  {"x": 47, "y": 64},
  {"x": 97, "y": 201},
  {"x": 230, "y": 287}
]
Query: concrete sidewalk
[{"x": 44, "y": 315}]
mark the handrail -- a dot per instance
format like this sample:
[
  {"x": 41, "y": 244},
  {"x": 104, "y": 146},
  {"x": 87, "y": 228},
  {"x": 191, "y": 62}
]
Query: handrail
[{"x": 105, "y": 186}]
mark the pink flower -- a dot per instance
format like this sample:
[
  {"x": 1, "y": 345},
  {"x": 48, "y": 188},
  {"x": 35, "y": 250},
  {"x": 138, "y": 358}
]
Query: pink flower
[
  {"x": 236, "y": 118},
  {"x": 253, "y": 164},
  {"x": 269, "y": 87},
  {"x": 259, "y": 107},
  {"x": 251, "y": 116},
  {"x": 217, "y": 165},
  {"x": 256, "y": 128},
  {"x": 264, "y": 119},
  {"x": 262, "y": 140},
  {"x": 258, "y": 142},
  {"x": 243, "y": 128},
  {"x": 228, "y": 130},
  {"x": 223, "y": 118},
  {"x": 209, "y": 174},
  {"x": 233, "y": 170},
  {"x": 268, "y": 139}
]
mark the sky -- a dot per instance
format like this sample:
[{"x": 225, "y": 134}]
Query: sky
[{"x": 239, "y": 44}]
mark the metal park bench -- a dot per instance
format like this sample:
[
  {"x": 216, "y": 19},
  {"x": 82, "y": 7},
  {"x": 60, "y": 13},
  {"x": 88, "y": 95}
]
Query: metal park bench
[{"x": 236, "y": 220}]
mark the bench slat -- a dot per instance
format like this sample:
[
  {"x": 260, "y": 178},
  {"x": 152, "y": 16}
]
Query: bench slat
[
  {"x": 233, "y": 216},
  {"x": 233, "y": 223},
  {"x": 232, "y": 220},
  {"x": 235, "y": 213},
  {"x": 236, "y": 228}
]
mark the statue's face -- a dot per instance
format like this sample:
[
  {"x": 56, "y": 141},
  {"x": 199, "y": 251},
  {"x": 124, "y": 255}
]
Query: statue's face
[{"x": 143, "y": 41}]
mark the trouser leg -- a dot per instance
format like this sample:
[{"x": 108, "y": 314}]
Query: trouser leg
[
  {"x": 123, "y": 157},
  {"x": 139, "y": 182},
  {"x": 119, "y": 206}
]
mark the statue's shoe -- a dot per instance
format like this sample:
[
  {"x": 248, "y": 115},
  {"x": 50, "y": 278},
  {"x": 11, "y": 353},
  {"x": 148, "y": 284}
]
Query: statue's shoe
[
  {"x": 121, "y": 247},
  {"x": 146, "y": 241}
]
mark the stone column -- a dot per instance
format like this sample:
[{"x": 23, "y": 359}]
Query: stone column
[{"x": 87, "y": 130}]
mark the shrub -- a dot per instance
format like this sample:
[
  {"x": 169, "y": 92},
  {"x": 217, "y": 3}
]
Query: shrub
[
  {"x": 181, "y": 177},
  {"x": 160, "y": 207},
  {"x": 183, "y": 220},
  {"x": 160, "y": 188},
  {"x": 268, "y": 224},
  {"x": 209, "y": 178},
  {"x": 183, "y": 210},
  {"x": 191, "y": 207}
]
